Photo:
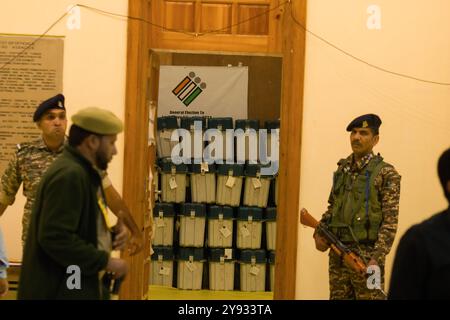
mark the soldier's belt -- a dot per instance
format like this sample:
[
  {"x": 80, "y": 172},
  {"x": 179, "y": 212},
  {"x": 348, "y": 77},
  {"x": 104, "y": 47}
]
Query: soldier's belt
[{"x": 364, "y": 242}]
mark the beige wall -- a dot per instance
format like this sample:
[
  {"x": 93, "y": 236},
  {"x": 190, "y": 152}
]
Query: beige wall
[
  {"x": 94, "y": 72},
  {"x": 413, "y": 39},
  {"x": 416, "y": 116}
]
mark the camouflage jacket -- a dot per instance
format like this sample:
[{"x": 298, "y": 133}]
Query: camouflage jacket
[
  {"x": 30, "y": 161},
  {"x": 387, "y": 183}
]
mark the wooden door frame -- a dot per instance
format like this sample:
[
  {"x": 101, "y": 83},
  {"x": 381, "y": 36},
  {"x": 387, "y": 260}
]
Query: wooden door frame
[{"x": 291, "y": 39}]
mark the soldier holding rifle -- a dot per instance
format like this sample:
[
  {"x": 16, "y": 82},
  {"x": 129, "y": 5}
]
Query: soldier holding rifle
[{"x": 362, "y": 214}]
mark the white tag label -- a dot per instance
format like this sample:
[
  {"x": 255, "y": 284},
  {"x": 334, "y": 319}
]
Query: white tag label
[
  {"x": 225, "y": 232},
  {"x": 204, "y": 167},
  {"x": 164, "y": 271},
  {"x": 228, "y": 253},
  {"x": 191, "y": 266},
  {"x": 173, "y": 183},
  {"x": 254, "y": 270},
  {"x": 244, "y": 231},
  {"x": 160, "y": 223},
  {"x": 166, "y": 134},
  {"x": 256, "y": 183},
  {"x": 230, "y": 182}
]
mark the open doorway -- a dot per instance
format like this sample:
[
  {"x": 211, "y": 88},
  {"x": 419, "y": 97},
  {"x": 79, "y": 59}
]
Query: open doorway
[
  {"x": 168, "y": 264},
  {"x": 282, "y": 36}
]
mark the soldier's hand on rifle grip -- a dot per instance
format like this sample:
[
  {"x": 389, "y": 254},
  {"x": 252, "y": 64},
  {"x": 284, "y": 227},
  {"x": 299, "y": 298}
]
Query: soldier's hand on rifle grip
[{"x": 321, "y": 244}]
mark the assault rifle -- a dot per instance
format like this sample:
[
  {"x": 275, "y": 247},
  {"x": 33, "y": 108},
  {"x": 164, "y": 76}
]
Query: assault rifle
[{"x": 351, "y": 259}]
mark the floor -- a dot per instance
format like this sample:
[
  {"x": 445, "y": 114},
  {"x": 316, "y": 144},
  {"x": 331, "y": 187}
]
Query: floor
[
  {"x": 163, "y": 293},
  {"x": 169, "y": 293}
]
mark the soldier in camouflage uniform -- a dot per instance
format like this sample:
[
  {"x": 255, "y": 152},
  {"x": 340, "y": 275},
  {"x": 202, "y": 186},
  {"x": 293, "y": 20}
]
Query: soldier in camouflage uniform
[
  {"x": 31, "y": 160},
  {"x": 362, "y": 212},
  {"x": 28, "y": 164}
]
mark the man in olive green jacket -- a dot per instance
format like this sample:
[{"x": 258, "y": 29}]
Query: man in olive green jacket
[
  {"x": 69, "y": 238},
  {"x": 32, "y": 159}
]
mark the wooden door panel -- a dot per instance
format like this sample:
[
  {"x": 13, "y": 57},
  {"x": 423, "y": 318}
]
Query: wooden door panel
[
  {"x": 179, "y": 15},
  {"x": 223, "y": 25},
  {"x": 216, "y": 16},
  {"x": 255, "y": 26}
]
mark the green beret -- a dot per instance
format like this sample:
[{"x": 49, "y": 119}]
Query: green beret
[{"x": 97, "y": 120}]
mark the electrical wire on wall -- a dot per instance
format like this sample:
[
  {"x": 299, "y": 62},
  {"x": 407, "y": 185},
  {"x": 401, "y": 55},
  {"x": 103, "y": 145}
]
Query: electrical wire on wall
[
  {"x": 362, "y": 60},
  {"x": 193, "y": 34}
]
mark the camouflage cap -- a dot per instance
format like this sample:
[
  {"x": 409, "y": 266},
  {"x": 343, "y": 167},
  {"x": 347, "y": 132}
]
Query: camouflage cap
[
  {"x": 97, "y": 120},
  {"x": 365, "y": 121},
  {"x": 56, "y": 102}
]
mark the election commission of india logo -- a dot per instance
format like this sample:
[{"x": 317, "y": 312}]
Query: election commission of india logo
[{"x": 189, "y": 88}]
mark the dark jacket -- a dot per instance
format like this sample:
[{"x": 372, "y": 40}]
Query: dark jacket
[
  {"x": 422, "y": 262},
  {"x": 63, "y": 232}
]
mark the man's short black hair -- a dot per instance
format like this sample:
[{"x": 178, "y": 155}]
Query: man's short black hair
[
  {"x": 444, "y": 171},
  {"x": 77, "y": 135}
]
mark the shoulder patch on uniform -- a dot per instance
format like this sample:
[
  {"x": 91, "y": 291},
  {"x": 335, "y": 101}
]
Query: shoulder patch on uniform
[
  {"x": 23, "y": 146},
  {"x": 390, "y": 166}
]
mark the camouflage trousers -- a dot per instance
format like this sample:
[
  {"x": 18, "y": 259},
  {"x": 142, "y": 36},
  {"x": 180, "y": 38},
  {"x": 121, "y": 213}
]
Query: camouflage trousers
[{"x": 346, "y": 284}]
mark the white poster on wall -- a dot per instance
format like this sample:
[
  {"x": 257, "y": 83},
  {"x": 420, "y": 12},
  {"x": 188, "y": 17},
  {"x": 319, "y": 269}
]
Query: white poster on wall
[
  {"x": 26, "y": 79},
  {"x": 203, "y": 91}
]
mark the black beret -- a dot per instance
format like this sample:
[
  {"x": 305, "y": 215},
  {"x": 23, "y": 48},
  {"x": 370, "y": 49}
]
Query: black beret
[
  {"x": 56, "y": 102},
  {"x": 365, "y": 121}
]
